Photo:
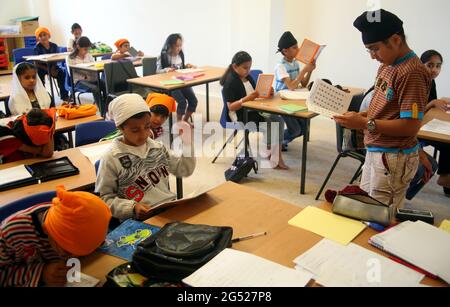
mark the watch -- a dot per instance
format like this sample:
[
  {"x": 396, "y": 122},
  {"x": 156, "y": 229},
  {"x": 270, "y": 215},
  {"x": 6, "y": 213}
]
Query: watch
[{"x": 372, "y": 126}]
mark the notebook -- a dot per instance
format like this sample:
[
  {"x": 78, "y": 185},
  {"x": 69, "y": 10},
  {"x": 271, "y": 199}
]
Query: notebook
[
  {"x": 328, "y": 100},
  {"x": 39, "y": 172},
  {"x": 309, "y": 52},
  {"x": 293, "y": 108},
  {"x": 134, "y": 53},
  {"x": 264, "y": 85},
  {"x": 419, "y": 244}
]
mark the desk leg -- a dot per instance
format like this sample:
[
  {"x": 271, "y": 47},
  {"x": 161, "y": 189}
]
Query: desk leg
[
  {"x": 102, "y": 102},
  {"x": 170, "y": 125},
  {"x": 246, "y": 133},
  {"x": 308, "y": 123},
  {"x": 179, "y": 188},
  {"x": 207, "y": 102},
  {"x": 72, "y": 83},
  {"x": 304, "y": 157},
  {"x": 51, "y": 83}
]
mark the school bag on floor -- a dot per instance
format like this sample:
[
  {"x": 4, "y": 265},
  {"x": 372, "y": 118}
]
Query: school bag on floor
[
  {"x": 180, "y": 249},
  {"x": 240, "y": 169}
]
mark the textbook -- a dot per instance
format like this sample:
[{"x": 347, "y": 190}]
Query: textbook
[
  {"x": 24, "y": 175},
  {"x": 309, "y": 52},
  {"x": 264, "y": 85},
  {"x": 123, "y": 240}
]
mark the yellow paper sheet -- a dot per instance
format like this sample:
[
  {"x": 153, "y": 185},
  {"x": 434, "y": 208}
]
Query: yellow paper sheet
[
  {"x": 334, "y": 227},
  {"x": 445, "y": 226}
]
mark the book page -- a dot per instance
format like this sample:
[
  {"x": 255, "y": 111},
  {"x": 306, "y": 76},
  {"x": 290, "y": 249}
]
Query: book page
[
  {"x": 14, "y": 174},
  {"x": 308, "y": 51},
  {"x": 95, "y": 153},
  {"x": 86, "y": 281},
  {"x": 437, "y": 126},
  {"x": 327, "y": 100},
  {"x": 299, "y": 94},
  {"x": 264, "y": 85}
]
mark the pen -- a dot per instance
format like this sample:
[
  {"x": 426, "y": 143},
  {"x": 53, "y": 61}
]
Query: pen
[
  {"x": 249, "y": 237},
  {"x": 375, "y": 226}
]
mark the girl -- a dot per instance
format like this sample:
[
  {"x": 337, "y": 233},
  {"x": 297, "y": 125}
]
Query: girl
[
  {"x": 86, "y": 80},
  {"x": 433, "y": 62},
  {"x": 171, "y": 59},
  {"x": 123, "y": 47},
  {"x": 27, "y": 90},
  {"x": 77, "y": 32},
  {"x": 238, "y": 88}
]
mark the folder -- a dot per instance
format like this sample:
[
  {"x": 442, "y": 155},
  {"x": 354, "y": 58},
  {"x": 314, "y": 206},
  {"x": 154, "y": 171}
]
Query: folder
[{"x": 309, "y": 52}]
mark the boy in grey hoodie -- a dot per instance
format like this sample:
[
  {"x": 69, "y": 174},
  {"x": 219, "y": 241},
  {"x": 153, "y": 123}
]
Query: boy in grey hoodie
[{"x": 134, "y": 175}]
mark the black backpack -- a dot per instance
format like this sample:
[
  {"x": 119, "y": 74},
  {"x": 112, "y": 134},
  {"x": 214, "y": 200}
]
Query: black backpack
[
  {"x": 240, "y": 169},
  {"x": 180, "y": 249}
]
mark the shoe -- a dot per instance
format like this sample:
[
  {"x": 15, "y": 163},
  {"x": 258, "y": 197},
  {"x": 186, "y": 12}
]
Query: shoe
[{"x": 447, "y": 192}]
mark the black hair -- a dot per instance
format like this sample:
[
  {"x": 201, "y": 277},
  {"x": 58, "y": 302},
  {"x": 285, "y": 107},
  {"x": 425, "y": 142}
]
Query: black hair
[
  {"x": 23, "y": 67},
  {"x": 35, "y": 117},
  {"x": 239, "y": 58},
  {"x": 160, "y": 110},
  {"x": 137, "y": 116},
  {"x": 82, "y": 42},
  {"x": 76, "y": 26},
  {"x": 165, "y": 51},
  {"x": 427, "y": 55}
]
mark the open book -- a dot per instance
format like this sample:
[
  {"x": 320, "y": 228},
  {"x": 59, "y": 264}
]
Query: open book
[
  {"x": 328, "y": 100},
  {"x": 264, "y": 85},
  {"x": 309, "y": 52}
]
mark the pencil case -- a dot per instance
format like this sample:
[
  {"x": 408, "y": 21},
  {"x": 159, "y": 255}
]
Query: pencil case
[{"x": 362, "y": 207}]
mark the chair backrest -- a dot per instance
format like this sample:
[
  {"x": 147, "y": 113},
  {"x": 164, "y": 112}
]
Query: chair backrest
[
  {"x": 255, "y": 74},
  {"x": 92, "y": 132},
  {"x": 116, "y": 76},
  {"x": 107, "y": 57},
  {"x": 62, "y": 49},
  {"x": 224, "y": 116},
  {"x": 149, "y": 66},
  {"x": 355, "y": 105},
  {"x": 18, "y": 54},
  {"x": 25, "y": 203}
]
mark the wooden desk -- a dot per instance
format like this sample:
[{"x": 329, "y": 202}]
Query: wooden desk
[
  {"x": 247, "y": 211},
  {"x": 212, "y": 74},
  {"x": 272, "y": 106},
  {"x": 63, "y": 125},
  {"x": 84, "y": 180},
  {"x": 431, "y": 136}
]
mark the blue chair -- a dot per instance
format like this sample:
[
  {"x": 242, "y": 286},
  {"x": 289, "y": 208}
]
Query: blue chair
[
  {"x": 107, "y": 57},
  {"x": 18, "y": 54},
  {"x": 68, "y": 86},
  {"x": 255, "y": 74},
  {"x": 25, "y": 203},
  {"x": 92, "y": 132},
  {"x": 62, "y": 49}
]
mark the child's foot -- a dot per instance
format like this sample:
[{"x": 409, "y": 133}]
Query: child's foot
[
  {"x": 444, "y": 181},
  {"x": 282, "y": 166}
]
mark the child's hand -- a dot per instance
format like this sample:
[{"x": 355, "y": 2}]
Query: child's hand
[
  {"x": 140, "y": 53},
  {"x": 171, "y": 69},
  {"x": 352, "y": 120},
  {"x": 442, "y": 105},
  {"x": 310, "y": 67},
  {"x": 253, "y": 96},
  {"x": 189, "y": 66},
  {"x": 272, "y": 92},
  {"x": 55, "y": 274},
  {"x": 142, "y": 211}
]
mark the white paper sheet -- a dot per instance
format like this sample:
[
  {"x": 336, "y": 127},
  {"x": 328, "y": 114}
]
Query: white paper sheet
[
  {"x": 233, "y": 268},
  {"x": 189, "y": 70},
  {"x": 294, "y": 95},
  {"x": 95, "y": 153},
  {"x": 13, "y": 174},
  {"x": 437, "y": 126},
  {"x": 86, "y": 281},
  {"x": 328, "y": 100}
]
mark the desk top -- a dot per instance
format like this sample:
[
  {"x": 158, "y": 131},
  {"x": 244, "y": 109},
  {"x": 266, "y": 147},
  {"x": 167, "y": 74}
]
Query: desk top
[
  {"x": 58, "y": 57},
  {"x": 211, "y": 74},
  {"x": 431, "y": 136},
  {"x": 5, "y": 86},
  {"x": 93, "y": 68},
  {"x": 273, "y": 105},
  {"x": 64, "y": 125},
  {"x": 224, "y": 207},
  {"x": 85, "y": 179}
]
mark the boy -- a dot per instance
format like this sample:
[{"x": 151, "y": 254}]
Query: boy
[
  {"x": 289, "y": 76},
  {"x": 77, "y": 32},
  {"x": 394, "y": 116},
  {"x": 134, "y": 175},
  {"x": 44, "y": 46},
  {"x": 123, "y": 47},
  {"x": 36, "y": 243}
]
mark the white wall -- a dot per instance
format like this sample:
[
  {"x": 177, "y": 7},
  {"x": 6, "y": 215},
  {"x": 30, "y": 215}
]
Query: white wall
[
  {"x": 345, "y": 60},
  {"x": 12, "y": 9}
]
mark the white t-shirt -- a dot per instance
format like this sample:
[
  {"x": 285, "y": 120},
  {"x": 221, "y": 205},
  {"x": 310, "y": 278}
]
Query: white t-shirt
[
  {"x": 84, "y": 75},
  {"x": 175, "y": 61},
  {"x": 70, "y": 43},
  {"x": 248, "y": 90}
]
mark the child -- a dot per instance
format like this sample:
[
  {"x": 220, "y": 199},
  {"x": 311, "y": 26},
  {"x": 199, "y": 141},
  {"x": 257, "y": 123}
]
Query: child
[
  {"x": 86, "y": 80},
  {"x": 238, "y": 88},
  {"x": 433, "y": 62},
  {"x": 161, "y": 106},
  {"x": 123, "y": 47},
  {"x": 44, "y": 46},
  {"x": 36, "y": 243},
  {"x": 28, "y": 136},
  {"x": 289, "y": 76},
  {"x": 134, "y": 175},
  {"x": 77, "y": 32},
  {"x": 27, "y": 91},
  {"x": 395, "y": 113},
  {"x": 171, "y": 59}
]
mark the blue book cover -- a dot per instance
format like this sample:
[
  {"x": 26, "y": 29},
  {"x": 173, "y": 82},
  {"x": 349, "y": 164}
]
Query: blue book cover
[{"x": 123, "y": 240}]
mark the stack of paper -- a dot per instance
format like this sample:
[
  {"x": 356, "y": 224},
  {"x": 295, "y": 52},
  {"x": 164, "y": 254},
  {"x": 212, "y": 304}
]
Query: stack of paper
[
  {"x": 334, "y": 265},
  {"x": 420, "y": 244},
  {"x": 233, "y": 268},
  {"x": 335, "y": 227},
  {"x": 437, "y": 126},
  {"x": 294, "y": 95},
  {"x": 95, "y": 153}
]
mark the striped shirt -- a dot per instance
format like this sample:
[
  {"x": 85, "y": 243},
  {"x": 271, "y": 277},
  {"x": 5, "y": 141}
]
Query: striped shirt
[
  {"x": 285, "y": 70},
  {"x": 24, "y": 248},
  {"x": 401, "y": 92}
]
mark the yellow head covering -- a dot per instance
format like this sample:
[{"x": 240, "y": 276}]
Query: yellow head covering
[{"x": 41, "y": 30}]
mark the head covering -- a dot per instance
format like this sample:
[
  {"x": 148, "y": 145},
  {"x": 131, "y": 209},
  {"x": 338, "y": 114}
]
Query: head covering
[
  {"x": 126, "y": 106},
  {"x": 19, "y": 103},
  {"x": 41, "y": 134},
  {"x": 120, "y": 42},
  {"x": 40, "y": 30},
  {"x": 155, "y": 99},
  {"x": 287, "y": 40},
  {"x": 377, "y": 26},
  {"x": 77, "y": 221}
]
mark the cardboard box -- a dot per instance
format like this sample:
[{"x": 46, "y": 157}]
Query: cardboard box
[{"x": 28, "y": 25}]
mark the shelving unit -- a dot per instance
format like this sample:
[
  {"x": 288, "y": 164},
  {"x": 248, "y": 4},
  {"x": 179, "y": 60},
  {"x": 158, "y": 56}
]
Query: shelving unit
[{"x": 7, "y": 44}]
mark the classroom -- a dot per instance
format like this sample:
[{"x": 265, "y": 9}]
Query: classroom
[{"x": 230, "y": 144}]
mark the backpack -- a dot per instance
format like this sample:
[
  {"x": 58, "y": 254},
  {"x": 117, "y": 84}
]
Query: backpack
[
  {"x": 180, "y": 249},
  {"x": 240, "y": 169}
]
